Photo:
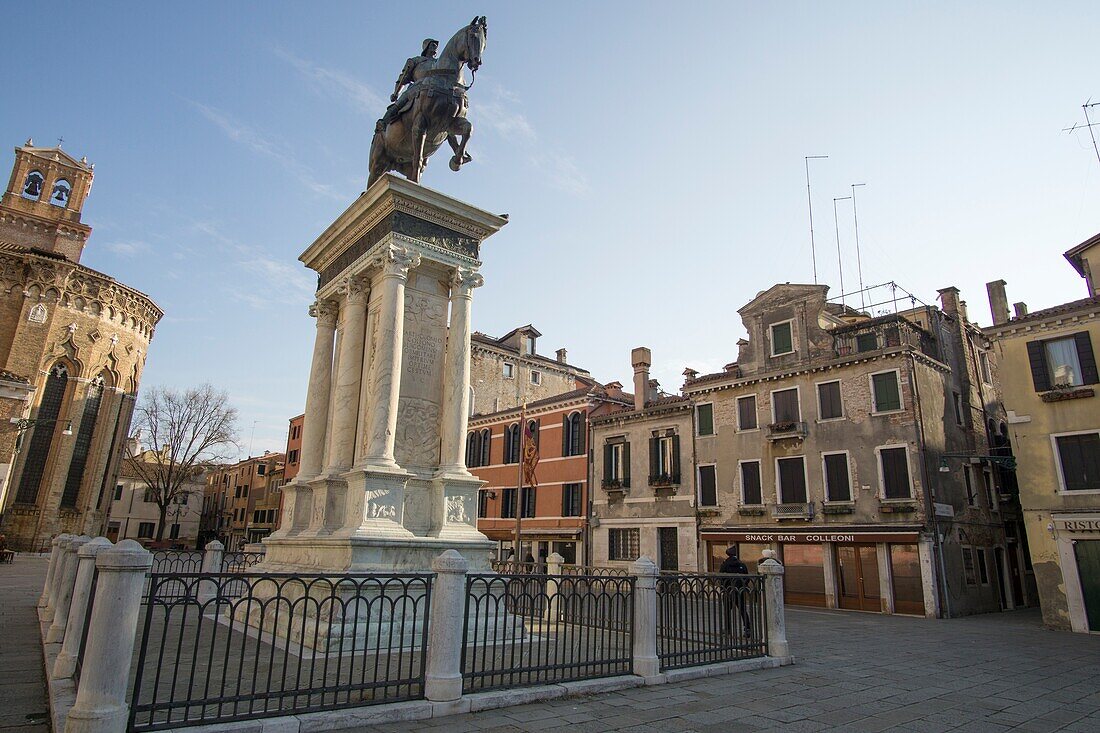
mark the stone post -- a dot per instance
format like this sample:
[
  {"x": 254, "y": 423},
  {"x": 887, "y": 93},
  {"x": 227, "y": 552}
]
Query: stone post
[
  {"x": 317, "y": 394},
  {"x": 55, "y": 556},
  {"x": 212, "y": 556},
  {"x": 65, "y": 665},
  {"x": 646, "y": 663},
  {"x": 56, "y": 632},
  {"x": 385, "y": 372},
  {"x": 443, "y": 679},
  {"x": 553, "y": 578},
  {"x": 102, "y": 698},
  {"x": 773, "y": 571},
  {"x": 349, "y": 374},
  {"x": 456, "y": 379}
]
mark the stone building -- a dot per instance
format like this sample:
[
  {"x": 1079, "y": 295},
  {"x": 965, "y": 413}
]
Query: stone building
[
  {"x": 507, "y": 371},
  {"x": 857, "y": 447},
  {"x": 1049, "y": 379},
  {"x": 135, "y": 515},
  {"x": 553, "y": 516},
  {"x": 73, "y": 344},
  {"x": 241, "y": 502},
  {"x": 643, "y": 456}
]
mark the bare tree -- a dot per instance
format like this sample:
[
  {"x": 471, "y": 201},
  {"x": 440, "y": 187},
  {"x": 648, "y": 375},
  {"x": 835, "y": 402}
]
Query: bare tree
[{"x": 186, "y": 432}]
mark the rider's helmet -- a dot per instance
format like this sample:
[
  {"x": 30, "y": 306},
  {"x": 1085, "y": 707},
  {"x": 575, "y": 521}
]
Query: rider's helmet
[{"x": 428, "y": 42}]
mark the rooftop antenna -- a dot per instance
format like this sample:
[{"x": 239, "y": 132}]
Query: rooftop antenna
[
  {"x": 810, "y": 206},
  {"x": 1088, "y": 124},
  {"x": 250, "y": 437},
  {"x": 839, "y": 257},
  {"x": 59, "y": 141},
  {"x": 859, "y": 263}
]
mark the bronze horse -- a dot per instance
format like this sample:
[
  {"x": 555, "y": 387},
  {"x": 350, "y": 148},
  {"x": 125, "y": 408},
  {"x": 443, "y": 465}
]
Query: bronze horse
[{"x": 437, "y": 112}]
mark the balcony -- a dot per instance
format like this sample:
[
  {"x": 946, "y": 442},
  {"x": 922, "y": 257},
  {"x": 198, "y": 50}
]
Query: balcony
[
  {"x": 784, "y": 512},
  {"x": 615, "y": 484},
  {"x": 787, "y": 429},
  {"x": 884, "y": 332},
  {"x": 664, "y": 481}
]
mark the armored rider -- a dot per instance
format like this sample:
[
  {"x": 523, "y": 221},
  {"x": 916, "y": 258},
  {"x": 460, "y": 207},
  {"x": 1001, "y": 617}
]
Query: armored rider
[{"x": 415, "y": 69}]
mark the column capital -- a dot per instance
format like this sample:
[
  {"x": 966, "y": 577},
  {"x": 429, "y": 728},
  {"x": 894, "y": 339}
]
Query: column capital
[
  {"x": 354, "y": 289},
  {"x": 325, "y": 312},
  {"x": 397, "y": 261},
  {"x": 464, "y": 280}
]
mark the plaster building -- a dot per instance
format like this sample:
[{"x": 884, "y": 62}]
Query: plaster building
[
  {"x": 553, "y": 515},
  {"x": 135, "y": 515},
  {"x": 857, "y": 447},
  {"x": 1049, "y": 380},
  {"x": 506, "y": 371},
  {"x": 241, "y": 502},
  {"x": 73, "y": 344},
  {"x": 642, "y": 457},
  {"x": 294, "y": 447}
]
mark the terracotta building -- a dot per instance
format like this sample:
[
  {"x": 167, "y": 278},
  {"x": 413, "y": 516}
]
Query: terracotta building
[
  {"x": 1049, "y": 380},
  {"x": 73, "y": 344},
  {"x": 241, "y": 501}
]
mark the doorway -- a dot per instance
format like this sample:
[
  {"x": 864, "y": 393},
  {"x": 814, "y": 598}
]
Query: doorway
[
  {"x": 858, "y": 577},
  {"x": 668, "y": 548},
  {"x": 1088, "y": 570}
]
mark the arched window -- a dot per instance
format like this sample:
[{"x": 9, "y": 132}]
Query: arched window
[
  {"x": 511, "y": 443},
  {"x": 83, "y": 445},
  {"x": 473, "y": 449},
  {"x": 32, "y": 186},
  {"x": 533, "y": 428},
  {"x": 572, "y": 440},
  {"x": 486, "y": 444},
  {"x": 45, "y": 425},
  {"x": 60, "y": 194}
]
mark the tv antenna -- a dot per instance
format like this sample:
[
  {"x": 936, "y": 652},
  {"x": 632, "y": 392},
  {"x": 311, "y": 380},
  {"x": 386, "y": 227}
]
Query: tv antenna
[
  {"x": 810, "y": 205},
  {"x": 839, "y": 256},
  {"x": 1089, "y": 124},
  {"x": 859, "y": 263}
]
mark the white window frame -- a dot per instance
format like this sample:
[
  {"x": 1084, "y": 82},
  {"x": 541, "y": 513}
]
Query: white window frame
[
  {"x": 756, "y": 409},
  {"x": 713, "y": 427},
  {"x": 771, "y": 338},
  {"x": 901, "y": 394},
  {"x": 798, "y": 399},
  {"x": 536, "y": 376},
  {"x": 825, "y": 478},
  {"x": 699, "y": 485},
  {"x": 665, "y": 455},
  {"x": 1062, "y": 490},
  {"x": 779, "y": 485},
  {"x": 817, "y": 394},
  {"x": 882, "y": 474},
  {"x": 741, "y": 481},
  {"x": 505, "y": 368},
  {"x": 618, "y": 448}
]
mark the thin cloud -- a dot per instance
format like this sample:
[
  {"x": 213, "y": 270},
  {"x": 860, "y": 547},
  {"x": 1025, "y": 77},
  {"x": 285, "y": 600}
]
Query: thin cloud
[
  {"x": 563, "y": 173},
  {"x": 337, "y": 84},
  {"x": 127, "y": 249}
]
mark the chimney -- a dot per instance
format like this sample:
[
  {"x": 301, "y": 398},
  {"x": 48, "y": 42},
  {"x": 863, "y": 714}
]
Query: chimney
[
  {"x": 962, "y": 310},
  {"x": 998, "y": 301},
  {"x": 640, "y": 359},
  {"x": 949, "y": 300},
  {"x": 654, "y": 390},
  {"x": 561, "y": 355},
  {"x": 1021, "y": 309}
]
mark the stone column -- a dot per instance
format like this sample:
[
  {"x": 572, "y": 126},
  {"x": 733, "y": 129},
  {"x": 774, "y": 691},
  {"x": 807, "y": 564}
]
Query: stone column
[
  {"x": 456, "y": 374},
  {"x": 58, "y": 574},
  {"x": 443, "y": 678},
  {"x": 646, "y": 663},
  {"x": 349, "y": 374},
  {"x": 103, "y": 696},
  {"x": 317, "y": 394},
  {"x": 553, "y": 582},
  {"x": 55, "y": 555},
  {"x": 385, "y": 372},
  {"x": 56, "y": 632},
  {"x": 212, "y": 556},
  {"x": 773, "y": 605},
  {"x": 65, "y": 665}
]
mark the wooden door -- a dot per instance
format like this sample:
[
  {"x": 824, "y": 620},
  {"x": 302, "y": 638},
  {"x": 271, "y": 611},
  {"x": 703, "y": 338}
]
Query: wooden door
[{"x": 858, "y": 577}]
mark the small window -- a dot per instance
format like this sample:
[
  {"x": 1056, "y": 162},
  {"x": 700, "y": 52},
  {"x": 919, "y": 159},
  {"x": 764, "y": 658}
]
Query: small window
[
  {"x": 828, "y": 401},
  {"x": 791, "y": 480},
  {"x": 511, "y": 443},
  {"x": 708, "y": 486},
  {"x": 968, "y": 566},
  {"x": 704, "y": 419},
  {"x": 528, "y": 502},
  {"x": 482, "y": 504},
  {"x": 785, "y": 406},
  {"x": 508, "y": 504},
  {"x": 983, "y": 569},
  {"x": 261, "y": 469},
  {"x": 866, "y": 342},
  {"x": 528, "y": 346},
  {"x": 750, "y": 483},
  {"x": 571, "y": 500},
  {"x": 1079, "y": 461},
  {"x": 509, "y": 371},
  {"x": 886, "y": 391},
  {"x": 838, "y": 483},
  {"x": 60, "y": 195},
  {"x": 32, "y": 186},
  {"x": 1062, "y": 362},
  {"x": 118, "y": 492},
  {"x": 572, "y": 440},
  {"x": 664, "y": 460},
  {"x": 983, "y": 367},
  {"x": 894, "y": 472},
  {"x": 150, "y": 496},
  {"x": 616, "y": 465},
  {"x": 146, "y": 530},
  {"x": 746, "y": 413},
  {"x": 782, "y": 341},
  {"x": 622, "y": 544},
  {"x": 536, "y": 377}
]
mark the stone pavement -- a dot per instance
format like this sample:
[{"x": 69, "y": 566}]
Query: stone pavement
[
  {"x": 854, "y": 672},
  {"x": 22, "y": 679}
]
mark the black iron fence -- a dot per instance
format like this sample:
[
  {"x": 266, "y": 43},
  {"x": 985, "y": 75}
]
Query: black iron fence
[
  {"x": 232, "y": 646},
  {"x": 534, "y": 628},
  {"x": 190, "y": 561},
  {"x": 706, "y": 618}
]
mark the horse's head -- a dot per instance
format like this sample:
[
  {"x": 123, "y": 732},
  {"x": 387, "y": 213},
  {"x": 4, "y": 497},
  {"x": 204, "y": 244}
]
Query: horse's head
[{"x": 475, "y": 42}]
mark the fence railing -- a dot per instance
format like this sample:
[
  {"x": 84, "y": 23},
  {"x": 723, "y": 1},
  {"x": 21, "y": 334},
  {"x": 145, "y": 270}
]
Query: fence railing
[
  {"x": 527, "y": 629},
  {"x": 232, "y": 646},
  {"x": 705, "y": 618}
]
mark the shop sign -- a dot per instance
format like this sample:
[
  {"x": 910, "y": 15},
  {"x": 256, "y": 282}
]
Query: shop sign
[
  {"x": 810, "y": 537},
  {"x": 1078, "y": 525},
  {"x": 944, "y": 510}
]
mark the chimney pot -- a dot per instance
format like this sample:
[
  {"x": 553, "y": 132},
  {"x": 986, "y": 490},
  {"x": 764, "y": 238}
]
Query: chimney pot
[
  {"x": 640, "y": 359},
  {"x": 949, "y": 300},
  {"x": 561, "y": 353},
  {"x": 1021, "y": 309},
  {"x": 998, "y": 301}
]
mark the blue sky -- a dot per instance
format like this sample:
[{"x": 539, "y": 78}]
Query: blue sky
[{"x": 650, "y": 158}]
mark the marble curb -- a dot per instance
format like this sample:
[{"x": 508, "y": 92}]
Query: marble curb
[{"x": 62, "y": 693}]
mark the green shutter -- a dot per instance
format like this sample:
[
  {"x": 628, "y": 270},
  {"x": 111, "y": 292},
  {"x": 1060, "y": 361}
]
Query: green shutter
[
  {"x": 1038, "y": 362},
  {"x": 626, "y": 465},
  {"x": 607, "y": 476},
  {"x": 654, "y": 468},
  {"x": 676, "y": 459},
  {"x": 705, "y": 417},
  {"x": 1086, "y": 358},
  {"x": 565, "y": 436}
]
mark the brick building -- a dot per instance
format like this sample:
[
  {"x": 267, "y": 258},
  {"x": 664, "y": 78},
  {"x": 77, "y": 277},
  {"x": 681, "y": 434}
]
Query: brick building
[
  {"x": 506, "y": 371},
  {"x": 241, "y": 501}
]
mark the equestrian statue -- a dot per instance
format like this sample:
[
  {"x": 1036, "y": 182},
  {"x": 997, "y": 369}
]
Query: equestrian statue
[{"x": 431, "y": 109}]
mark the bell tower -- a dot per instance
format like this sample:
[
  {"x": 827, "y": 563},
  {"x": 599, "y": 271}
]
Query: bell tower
[{"x": 40, "y": 209}]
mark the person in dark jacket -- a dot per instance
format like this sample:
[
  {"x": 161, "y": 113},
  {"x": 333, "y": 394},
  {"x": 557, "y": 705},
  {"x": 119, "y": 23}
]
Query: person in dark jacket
[{"x": 733, "y": 592}]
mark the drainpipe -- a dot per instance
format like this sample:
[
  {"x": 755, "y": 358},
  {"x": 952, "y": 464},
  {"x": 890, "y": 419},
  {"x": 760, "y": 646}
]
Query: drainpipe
[{"x": 930, "y": 507}]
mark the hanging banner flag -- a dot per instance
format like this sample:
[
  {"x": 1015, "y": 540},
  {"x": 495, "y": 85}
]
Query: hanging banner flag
[{"x": 530, "y": 456}]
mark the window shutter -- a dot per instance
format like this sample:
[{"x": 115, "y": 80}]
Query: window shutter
[
  {"x": 676, "y": 458},
  {"x": 626, "y": 465},
  {"x": 607, "y": 463},
  {"x": 578, "y": 432},
  {"x": 1086, "y": 358},
  {"x": 486, "y": 447},
  {"x": 565, "y": 437},
  {"x": 653, "y": 462},
  {"x": 1039, "y": 366}
]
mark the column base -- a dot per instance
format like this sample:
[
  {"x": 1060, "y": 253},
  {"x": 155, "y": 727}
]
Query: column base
[
  {"x": 376, "y": 502},
  {"x": 454, "y": 506},
  {"x": 365, "y": 554},
  {"x": 329, "y": 500}
]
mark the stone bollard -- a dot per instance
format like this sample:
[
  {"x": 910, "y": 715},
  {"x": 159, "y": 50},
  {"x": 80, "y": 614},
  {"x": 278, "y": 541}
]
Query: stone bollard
[
  {"x": 773, "y": 571},
  {"x": 56, "y": 554},
  {"x": 67, "y": 580},
  {"x": 65, "y": 665},
  {"x": 212, "y": 556},
  {"x": 646, "y": 663},
  {"x": 443, "y": 679},
  {"x": 102, "y": 698},
  {"x": 553, "y": 587}
]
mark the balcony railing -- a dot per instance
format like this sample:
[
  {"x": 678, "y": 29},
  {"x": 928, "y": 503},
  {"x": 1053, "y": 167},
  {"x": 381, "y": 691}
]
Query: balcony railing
[
  {"x": 664, "y": 480},
  {"x": 615, "y": 484},
  {"x": 803, "y": 511},
  {"x": 885, "y": 332},
  {"x": 787, "y": 429}
]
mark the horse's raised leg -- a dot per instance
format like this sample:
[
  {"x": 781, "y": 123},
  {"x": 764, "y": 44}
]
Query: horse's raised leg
[
  {"x": 460, "y": 127},
  {"x": 419, "y": 134}
]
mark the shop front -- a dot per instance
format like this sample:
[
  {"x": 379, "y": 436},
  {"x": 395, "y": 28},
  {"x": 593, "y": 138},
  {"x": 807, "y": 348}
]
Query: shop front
[
  {"x": 856, "y": 570},
  {"x": 538, "y": 544}
]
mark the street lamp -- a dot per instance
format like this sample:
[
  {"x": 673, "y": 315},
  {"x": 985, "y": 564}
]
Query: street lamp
[{"x": 23, "y": 425}]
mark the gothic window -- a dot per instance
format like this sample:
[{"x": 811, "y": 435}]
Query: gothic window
[
  {"x": 60, "y": 194},
  {"x": 46, "y": 424},
  {"x": 32, "y": 186},
  {"x": 83, "y": 444},
  {"x": 486, "y": 445},
  {"x": 572, "y": 442}
]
